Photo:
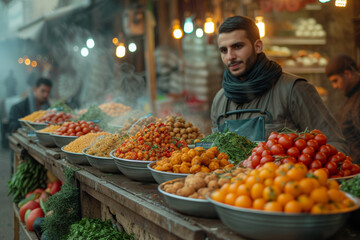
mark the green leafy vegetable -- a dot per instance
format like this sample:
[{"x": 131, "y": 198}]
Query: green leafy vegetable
[
  {"x": 95, "y": 113},
  {"x": 352, "y": 186}
]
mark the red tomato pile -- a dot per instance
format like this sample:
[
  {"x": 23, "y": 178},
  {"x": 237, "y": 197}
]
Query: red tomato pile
[
  {"x": 308, "y": 148},
  {"x": 54, "y": 117},
  {"x": 149, "y": 144},
  {"x": 78, "y": 128}
]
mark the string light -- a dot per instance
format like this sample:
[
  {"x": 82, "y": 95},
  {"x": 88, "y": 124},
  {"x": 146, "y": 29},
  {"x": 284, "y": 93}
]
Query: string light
[
  {"x": 90, "y": 43},
  {"x": 177, "y": 31},
  {"x": 188, "y": 25},
  {"x": 27, "y": 62},
  {"x": 209, "y": 26},
  {"x": 132, "y": 47},
  {"x": 21, "y": 61},
  {"x": 261, "y": 25},
  {"x": 34, "y": 63},
  {"x": 120, "y": 50},
  {"x": 340, "y": 3},
  {"x": 199, "y": 33},
  {"x": 115, "y": 41},
  {"x": 84, "y": 52}
]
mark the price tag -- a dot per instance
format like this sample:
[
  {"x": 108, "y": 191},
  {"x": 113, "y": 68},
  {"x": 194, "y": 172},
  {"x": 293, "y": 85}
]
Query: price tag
[{"x": 205, "y": 145}]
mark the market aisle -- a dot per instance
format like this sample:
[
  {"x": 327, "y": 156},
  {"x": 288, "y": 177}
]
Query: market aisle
[{"x": 6, "y": 214}]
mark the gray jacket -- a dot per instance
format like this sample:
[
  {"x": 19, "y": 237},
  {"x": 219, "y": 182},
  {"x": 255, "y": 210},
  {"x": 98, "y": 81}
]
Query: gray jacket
[{"x": 293, "y": 103}]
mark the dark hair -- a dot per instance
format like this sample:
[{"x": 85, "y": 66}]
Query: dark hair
[
  {"x": 43, "y": 81},
  {"x": 241, "y": 23},
  {"x": 339, "y": 63}
]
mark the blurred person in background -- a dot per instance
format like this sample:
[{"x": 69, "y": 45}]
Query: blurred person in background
[
  {"x": 253, "y": 85},
  {"x": 10, "y": 84},
  {"x": 37, "y": 100},
  {"x": 343, "y": 73}
]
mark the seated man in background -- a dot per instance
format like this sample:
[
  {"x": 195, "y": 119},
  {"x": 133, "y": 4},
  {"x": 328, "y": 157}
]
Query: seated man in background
[
  {"x": 37, "y": 100},
  {"x": 345, "y": 76}
]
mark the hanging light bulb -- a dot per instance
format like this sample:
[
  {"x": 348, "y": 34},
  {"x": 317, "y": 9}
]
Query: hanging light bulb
[
  {"x": 84, "y": 52},
  {"x": 27, "y": 62},
  {"x": 324, "y": 1},
  {"x": 33, "y": 63},
  {"x": 199, "y": 32},
  {"x": 120, "y": 50},
  {"x": 177, "y": 31},
  {"x": 209, "y": 26},
  {"x": 20, "y": 60},
  {"x": 188, "y": 25},
  {"x": 340, "y": 3},
  {"x": 132, "y": 47},
  {"x": 115, "y": 41},
  {"x": 261, "y": 25},
  {"x": 90, "y": 43}
]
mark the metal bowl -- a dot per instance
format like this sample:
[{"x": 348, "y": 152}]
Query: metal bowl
[
  {"x": 133, "y": 169},
  {"x": 104, "y": 164},
  {"x": 37, "y": 126},
  {"x": 190, "y": 206},
  {"x": 161, "y": 176},
  {"x": 76, "y": 158},
  {"x": 61, "y": 141},
  {"x": 45, "y": 139},
  {"x": 257, "y": 224},
  {"x": 23, "y": 124}
]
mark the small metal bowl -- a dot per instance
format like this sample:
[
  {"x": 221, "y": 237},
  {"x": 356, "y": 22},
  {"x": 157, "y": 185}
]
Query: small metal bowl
[
  {"x": 45, "y": 139},
  {"x": 104, "y": 164},
  {"x": 76, "y": 158},
  {"x": 38, "y": 126},
  {"x": 262, "y": 225},
  {"x": 61, "y": 141},
  {"x": 133, "y": 169},
  {"x": 161, "y": 176},
  {"x": 190, "y": 206}
]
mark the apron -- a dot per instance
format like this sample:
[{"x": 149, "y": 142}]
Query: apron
[{"x": 252, "y": 128}]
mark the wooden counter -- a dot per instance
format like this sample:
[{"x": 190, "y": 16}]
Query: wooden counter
[{"x": 137, "y": 207}]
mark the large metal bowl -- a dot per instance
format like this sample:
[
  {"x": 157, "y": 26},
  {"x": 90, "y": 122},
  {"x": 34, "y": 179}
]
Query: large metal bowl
[
  {"x": 189, "y": 206},
  {"x": 23, "y": 124},
  {"x": 76, "y": 158},
  {"x": 104, "y": 164},
  {"x": 161, "y": 176},
  {"x": 38, "y": 126},
  {"x": 45, "y": 139},
  {"x": 257, "y": 224},
  {"x": 133, "y": 169},
  {"x": 61, "y": 141}
]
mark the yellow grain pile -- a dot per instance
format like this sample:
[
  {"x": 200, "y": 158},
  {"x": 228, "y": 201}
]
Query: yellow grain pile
[
  {"x": 83, "y": 142},
  {"x": 35, "y": 115},
  {"x": 102, "y": 147},
  {"x": 50, "y": 128}
]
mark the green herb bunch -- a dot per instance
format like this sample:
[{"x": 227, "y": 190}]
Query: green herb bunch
[
  {"x": 93, "y": 229},
  {"x": 95, "y": 113},
  {"x": 352, "y": 186}
]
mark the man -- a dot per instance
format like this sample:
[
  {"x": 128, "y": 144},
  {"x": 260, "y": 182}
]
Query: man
[
  {"x": 252, "y": 81},
  {"x": 344, "y": 75},
  {"x": 37, "y": 100}
]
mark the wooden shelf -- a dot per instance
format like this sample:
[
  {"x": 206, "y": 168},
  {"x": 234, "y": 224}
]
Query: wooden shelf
[{"x": 294, "y": 41}]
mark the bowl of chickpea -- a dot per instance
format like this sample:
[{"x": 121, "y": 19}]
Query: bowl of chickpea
[{"x": 133, "y": 169}]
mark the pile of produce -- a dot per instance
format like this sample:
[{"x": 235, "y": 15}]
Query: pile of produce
[
  {"x": 54, "y": 117},
  {"x": 114, "y": 109},
  {"x": 35, "y": 115},
  {"x": 200, "y": 184},
  {"x": 151, "y": 143},
  {"x": 94, "y": 113},
  {"x": 309, "y": 148},
  {"x": 194, "y": 161},
  {"x": 134, "y": 125},
  {"x": 352, "y": 186},
  {"x": 182, "y": 129},
  {"x": 61, "y": 106},
  {"x": 50, "y": 128},
  {"x": 29, "y": 175},
  {"x": 77, "y": 128},
  {"x": 85, "y": 141},
  {"x": 285, "y": 188},
  {"x": 95, "y": 229},
  {"x": 103, "y": 146},
  {"x": 238, "y": 148}
]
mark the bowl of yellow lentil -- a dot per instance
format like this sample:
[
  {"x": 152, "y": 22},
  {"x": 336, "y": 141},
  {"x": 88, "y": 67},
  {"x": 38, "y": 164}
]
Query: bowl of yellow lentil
[{"x": 75, "y": 158}]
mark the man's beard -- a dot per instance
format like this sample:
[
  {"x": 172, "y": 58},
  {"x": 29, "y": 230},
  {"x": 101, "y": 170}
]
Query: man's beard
[{"x": 248, "y": 66}]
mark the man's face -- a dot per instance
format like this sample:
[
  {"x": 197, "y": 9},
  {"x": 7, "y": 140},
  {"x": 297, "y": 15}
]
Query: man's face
[
  {"x": 42, "y": 93},
  {"x": 237, "y": 52},
  {"x": 339, "y": 82}
]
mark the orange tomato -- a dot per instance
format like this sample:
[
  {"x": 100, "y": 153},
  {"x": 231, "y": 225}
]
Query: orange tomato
[
  {"x": 293, "y": 207},
  {"x": 280, "y": 181},
  {"x": 251, "y": 180},
  {"x": 321, "y": 176},
  {"x": 336, "y": 195},
  {"x": 270, "y": 193},
  {"x": 243, "y": 190},
  {"x": 319, "y": 209},
  {"x": 268, "y": 181},
  {"x": 320, "y": 195},
  {"x": 259, "y": 204},
  {"x": 306, "y": 185},
  {"x": 273, "y": 207},
  {"x": 257, "y": 190},
  {"x": 266, "y": 173},
  {"x": 284, "y": 198},
  {"x": 332, "y": 184},
  {"x": 230, "y": 198},
  {"x": 306, "y": 202},
  {"x": 296, "y": 174},
  {"x": 243, "y": 201},
  {"x": 218, "y": 196},
  {"x": 293, "y": 188}
]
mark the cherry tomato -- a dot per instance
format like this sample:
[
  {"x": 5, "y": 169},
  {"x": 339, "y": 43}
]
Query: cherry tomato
[
  {"x": 288, "y": 160},
  {"x": 266, "y": 158},
  {"x": 309, "y": 150},
  {"x": 326, "y": 170},
  {"x": 321, "y": 157},
  {"x": 346, "y": 165},
  {"x": 277, "y": 149},
  {"x": 265, "y": 152},
  {"x": 70, "y": 130},
  {"x": 300, "y": 144},
  {"x": 313, "y": 143},
  {"x": 316, "y": 131},
  {"x": 255, "y": 161},
  {"x": 331, "y": 166},
  {"x": 293, "y": 136},
  {"x": 355, "y": 169},
  {"x": 293, "y": 152},
  {"x": 85, "y": 130},
  {"x": 332, "y": 149},
  {"x": 273, "y": 135},
  {"x": 79, "y": 134},
  {"x": 77, "y": 129},
  {"x": 321, "y": 139},
  {"x": 306, "y": 159},
  {"x": 307, "y": 136},
  {"x": 72, "y": 126},
  {"x": 347, "y": 172},
  {"x": 286, "y": 141},
  {"x": 315, "y": 164},
  {"x": 342, "y": 156},
  {"x": 325, "y": 149},
  {"x": 334, "y": 158},
  {"x": 349, "y": 158},
  {"x": 260, "y": 150},
  {"x": 96, "y": 128},
  {"x": 271, "y": 143}
]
